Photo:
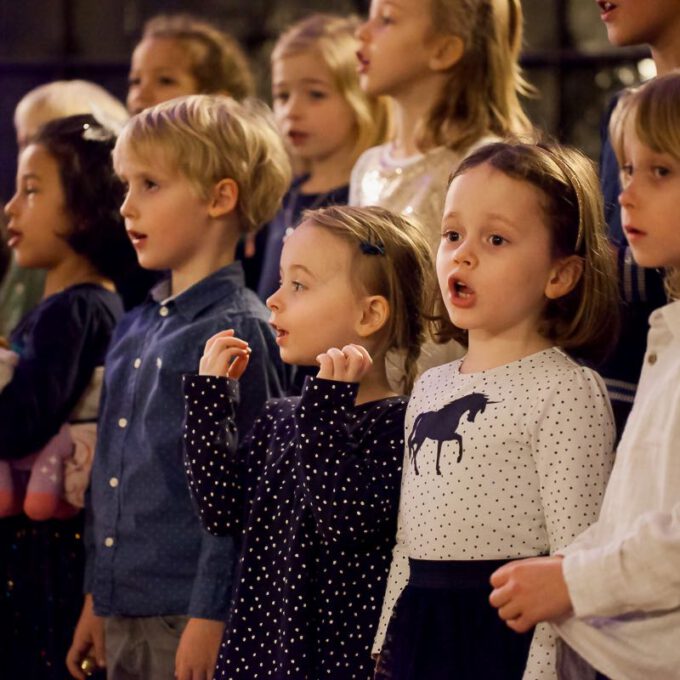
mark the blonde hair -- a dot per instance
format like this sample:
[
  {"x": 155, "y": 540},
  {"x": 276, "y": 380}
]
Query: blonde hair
[
  {"x": 585, "y": 320},
  {"x": 481, "y": 93},
  {"x": 333, "y": 39},
  {"x": 218, "y": 63},
  {"x": 208, "y": 138},
  {"x": 62, "y": 98},
  {"x": 392, "y": 259},
  {"x": 654, "y": 110}
]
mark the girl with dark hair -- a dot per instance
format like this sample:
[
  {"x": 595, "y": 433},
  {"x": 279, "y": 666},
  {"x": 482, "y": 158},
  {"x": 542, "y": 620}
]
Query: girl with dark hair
[{"x": 64, "y": 219}]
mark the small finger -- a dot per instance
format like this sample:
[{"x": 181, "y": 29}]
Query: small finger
[
  {"x": 238, "y": 365},
  {"x": 211, "y": 340},
  {"x": 325, "y": 366}
]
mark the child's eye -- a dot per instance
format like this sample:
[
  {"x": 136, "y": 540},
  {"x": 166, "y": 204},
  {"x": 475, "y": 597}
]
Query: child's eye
[
  {"x": 385, "y": 19},
  {"x": 451, "y": 236},
  {"x": 296, "y": 286},
  {"x": 317, "y": 94},
  {"x": 281, "y": 97},
  {"x": 133, "y": 82},
  {"x": 167, "y": 81},
  {"x": 497, "y": 240},
  {"x": 149, "y": 184},
  {"x": 660, "y": 171}
]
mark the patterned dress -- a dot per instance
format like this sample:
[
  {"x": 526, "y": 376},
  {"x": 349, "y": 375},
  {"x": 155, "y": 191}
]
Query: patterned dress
[{"x": 312, "y": 491}]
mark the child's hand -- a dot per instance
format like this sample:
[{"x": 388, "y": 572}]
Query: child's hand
[
  {"x": 528, "y": 591},
  {"x": 349, "y": 364},
  {"x": 225, "y": 356},
  {"x": 88, "y": 641},
  {"x": 198, "y": 648}
]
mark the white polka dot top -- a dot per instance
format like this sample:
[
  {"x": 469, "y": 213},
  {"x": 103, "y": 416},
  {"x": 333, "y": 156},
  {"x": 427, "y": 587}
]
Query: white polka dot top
[
  {"x": 503, "y": 463},
  {"x": 314, "y": 490}
]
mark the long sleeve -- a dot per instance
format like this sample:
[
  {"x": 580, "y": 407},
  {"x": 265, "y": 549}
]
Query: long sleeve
[
  {"x": 222, "y": 475},
  {"x": 396, "y": 582},
  {"x": 350, "y": 475},
  {"x": 59, "y": 353}
]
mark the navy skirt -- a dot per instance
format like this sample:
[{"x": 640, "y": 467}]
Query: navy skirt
[{"x": 444, "y": 628}]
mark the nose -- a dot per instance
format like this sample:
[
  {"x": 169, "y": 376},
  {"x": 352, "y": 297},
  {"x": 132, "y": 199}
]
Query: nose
[
  {"x": 140, "y": 97},
  {"x": 273, "y": 301},
  {"x": 126, "y": 208},
  {"x": 10, "y": 205},
  {"x": 628, "y": 193},
  {"x": 362, "y": 31},
  {"x": 465, "y": 254}
]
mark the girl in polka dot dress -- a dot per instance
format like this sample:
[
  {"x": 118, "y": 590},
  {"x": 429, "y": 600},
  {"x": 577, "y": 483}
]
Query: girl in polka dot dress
[
  {"x": 614, "y": 593},
  {"x": 508, "y": 449},
  {"x": 312, "y": 489}
]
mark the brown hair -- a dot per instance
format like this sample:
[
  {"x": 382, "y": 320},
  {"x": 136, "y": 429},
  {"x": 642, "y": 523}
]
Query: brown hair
[
  {"x": 212, "y": 137},
  {"x": 585, "y": 320},
  {"x": 333, "y": 39},
  {"x": 393, "y": 260},
  {"x": 481, "y": 93},
  {"x": 654, "y": 110},
  {"x": 218, "y": 63}
]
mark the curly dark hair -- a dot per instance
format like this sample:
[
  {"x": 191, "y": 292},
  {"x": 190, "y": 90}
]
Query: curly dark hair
[{"x": 82, "y": 147}]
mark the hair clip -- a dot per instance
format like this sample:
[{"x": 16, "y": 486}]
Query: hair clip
[
  {"x": 96, "y": 133},
  {"x": 371, "y": 248}
]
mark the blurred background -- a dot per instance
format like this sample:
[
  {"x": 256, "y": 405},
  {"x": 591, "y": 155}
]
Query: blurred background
[{"x": 566, "y": 57}]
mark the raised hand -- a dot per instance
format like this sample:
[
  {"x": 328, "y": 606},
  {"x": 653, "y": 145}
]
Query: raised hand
[
  {"x": 225, "y": 356},
  {"x": 349, "y": 364}
]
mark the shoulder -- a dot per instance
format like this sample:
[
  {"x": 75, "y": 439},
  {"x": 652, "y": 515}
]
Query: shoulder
[{"x": 369, "y": 158}]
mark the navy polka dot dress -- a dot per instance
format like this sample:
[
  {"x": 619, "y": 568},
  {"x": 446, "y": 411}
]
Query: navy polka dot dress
[{"x": 312, "y": 491}]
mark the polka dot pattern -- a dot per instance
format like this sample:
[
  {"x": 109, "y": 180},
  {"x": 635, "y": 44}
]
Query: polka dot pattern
[
  {"x": 528, "y": 477},
  {"x": 314, "y": 489}
]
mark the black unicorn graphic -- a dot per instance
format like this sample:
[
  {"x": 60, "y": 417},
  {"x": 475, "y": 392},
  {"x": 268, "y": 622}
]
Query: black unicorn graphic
[{"x": 441, "y": 425}]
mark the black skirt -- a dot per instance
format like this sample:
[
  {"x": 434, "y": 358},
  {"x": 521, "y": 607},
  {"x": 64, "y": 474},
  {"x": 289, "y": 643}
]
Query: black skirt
[{"x": 443, "y": 627}]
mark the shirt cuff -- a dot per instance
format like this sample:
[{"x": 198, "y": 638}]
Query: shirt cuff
[{"x": 225, "y": 391}]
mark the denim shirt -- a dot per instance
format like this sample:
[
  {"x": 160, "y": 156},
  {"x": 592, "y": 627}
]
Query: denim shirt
[{"x": 147, "y": 554}]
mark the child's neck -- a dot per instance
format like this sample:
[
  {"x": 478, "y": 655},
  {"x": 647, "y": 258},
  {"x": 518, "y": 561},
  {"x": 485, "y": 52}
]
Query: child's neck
[
  {"x": 486, "y": 351},
  {"x": 72, "y": 272},
  {"x": 666, "y": 53},
  {"x": 329, "y": 173},
  {"x": 410, "y": 108},
  {"x": 218, "y": 250},
  {"x": 374, "y": 386}
]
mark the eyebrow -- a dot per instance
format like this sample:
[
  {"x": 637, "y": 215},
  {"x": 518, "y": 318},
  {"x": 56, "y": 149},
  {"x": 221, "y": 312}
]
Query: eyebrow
[
  {"x": 302, "y": 268},
  {"x": 496, "y": 217},
  {"x": 30, "y": 175},
  {"x": 306, "y": 81}
]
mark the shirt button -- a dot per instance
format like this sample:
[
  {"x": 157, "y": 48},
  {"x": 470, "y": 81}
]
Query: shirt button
[
  {"x": 137, "y": 363},
  {"x": 651, "y": 358},
  {"x": 108, "y": 541},
  {"x": 122, "y": 422},
  {"x": 113, "y": 482},
  {"x": 164, "y": 311}
]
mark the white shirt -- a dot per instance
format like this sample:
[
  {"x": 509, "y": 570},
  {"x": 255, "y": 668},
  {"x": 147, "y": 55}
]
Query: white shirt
[
  {"x": 531, "y": 477},
  {"x": 623, "y": 574}
]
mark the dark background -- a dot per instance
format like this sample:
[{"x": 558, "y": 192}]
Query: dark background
[{"x": 567, "y": 56}]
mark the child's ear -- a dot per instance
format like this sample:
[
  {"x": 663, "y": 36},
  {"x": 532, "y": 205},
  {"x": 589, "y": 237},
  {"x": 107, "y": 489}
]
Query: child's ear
[
  {"x": 448, "y": 51},
  {"x": 564, "y": 276},
  {"x": 374, "y": 316},
  {"x": 223, "y": 198}
]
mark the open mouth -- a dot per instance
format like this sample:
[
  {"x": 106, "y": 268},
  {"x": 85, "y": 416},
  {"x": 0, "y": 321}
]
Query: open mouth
[
  {"x": 605, "y": 7},
  {"x": 136, "y": 237},
  {"x": 280, "y": 332},
  {"x": 296, "y": 138},
  {"x": 632, "y": 232},
  {"x": 364, "y": 63},
  {"x": 460, "y": 289},
  {"x": 13, "y": 237}
]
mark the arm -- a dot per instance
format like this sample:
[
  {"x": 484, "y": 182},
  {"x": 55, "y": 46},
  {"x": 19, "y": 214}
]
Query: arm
[
  {"x": 198, "y": 648},
  {"x": 52, "y": 371},
  {"x": 572, "y": 483},
  {"x": 222, "y": 475}
]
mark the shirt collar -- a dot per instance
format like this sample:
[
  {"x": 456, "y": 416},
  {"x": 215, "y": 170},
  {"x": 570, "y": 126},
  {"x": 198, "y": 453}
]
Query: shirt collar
[
  {"x": 671, "y": 316},
  {"x": 206, "y": 292}
]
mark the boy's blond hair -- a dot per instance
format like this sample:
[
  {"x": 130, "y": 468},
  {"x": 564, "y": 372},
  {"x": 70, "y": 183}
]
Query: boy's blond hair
[
  {"x": 62, "y": 98},
  {"x": 217, "y": 62},
  {"x": 653, "y": 109},
  {"x": 208, "y": 138},
  {"x": 333, "y": 39},
  {"x": 481, "y": 93}
]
